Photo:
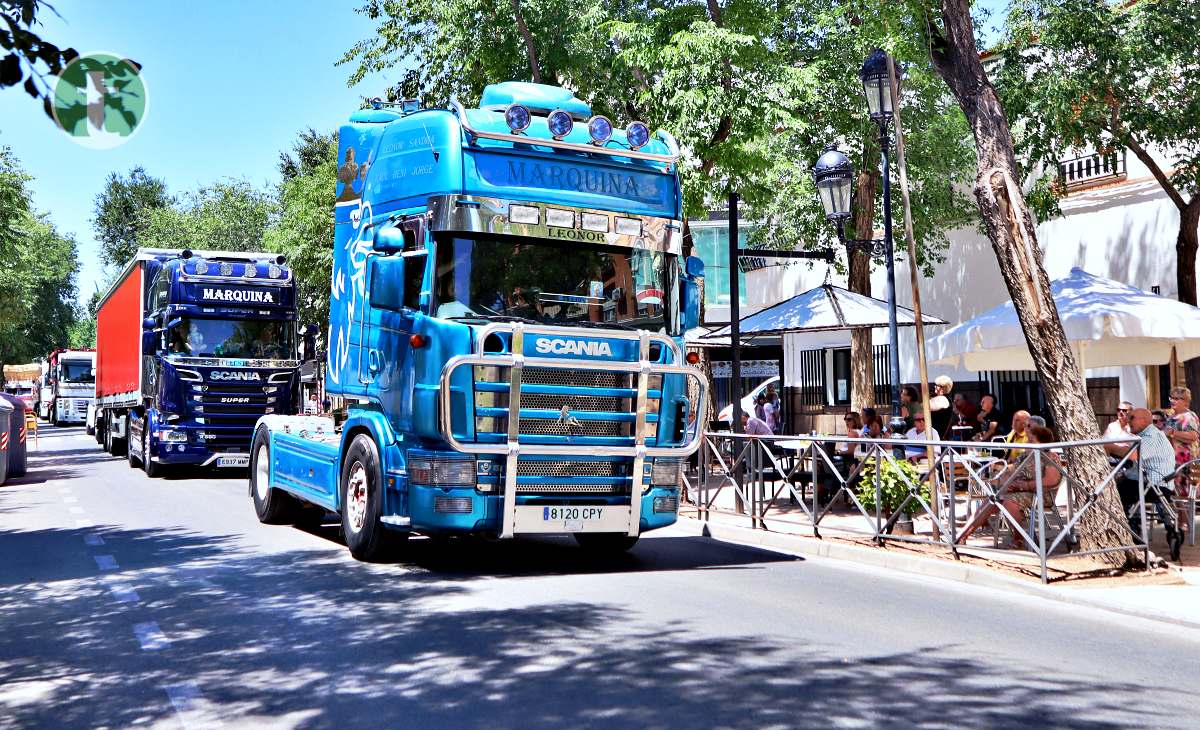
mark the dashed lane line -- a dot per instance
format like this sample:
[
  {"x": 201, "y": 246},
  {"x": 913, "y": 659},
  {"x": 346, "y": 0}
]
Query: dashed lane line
[
  {"x": 93, "y": 540},
  {"x": 106, "y": 562},
  {"x": 75, "y": 510},
  {"x": 193, "y": 710},
  {"x": 150, "y": 637}
]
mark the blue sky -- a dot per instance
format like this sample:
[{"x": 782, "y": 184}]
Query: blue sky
[{"x": 230, "y": 84}]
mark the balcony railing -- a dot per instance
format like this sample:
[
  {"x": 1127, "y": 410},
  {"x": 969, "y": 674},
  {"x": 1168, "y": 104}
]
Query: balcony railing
[{"x": 1092, "y": 169}]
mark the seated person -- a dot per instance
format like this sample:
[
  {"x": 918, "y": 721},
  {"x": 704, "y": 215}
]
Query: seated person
[
  {"x": 853, "y": 430},
  {"x": 1117, "y": 429},
  {"x": 1157, "y": 459},
  {"x": 1017, "y": 485},
  {"x": 755, "y": 426},
  {"x": 1017, "y": 434},
  {"x": 920, "y": 433}
]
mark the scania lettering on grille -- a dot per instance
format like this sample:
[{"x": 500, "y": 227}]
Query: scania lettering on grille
[
  {"x": 234, "y": 375},
  {"x": 573, "y": 347},
  {"x": 241, "y": 296}
]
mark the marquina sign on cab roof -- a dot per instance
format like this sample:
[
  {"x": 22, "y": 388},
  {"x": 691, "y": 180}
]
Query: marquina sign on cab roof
[{"x": 240, "y": 296}]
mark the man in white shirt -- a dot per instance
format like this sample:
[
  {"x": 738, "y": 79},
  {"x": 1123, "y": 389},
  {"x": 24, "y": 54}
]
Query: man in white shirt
[
  {"x": 919, "y": 433},
  {"x": 1119, "y": 428}
]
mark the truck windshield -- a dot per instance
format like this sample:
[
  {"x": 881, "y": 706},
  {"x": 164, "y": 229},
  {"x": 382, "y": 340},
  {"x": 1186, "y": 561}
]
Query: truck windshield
[
  {"x": 77, "y": 371},
  {"x": 250, "y": 339},
  {"x": 557, "y": 283}
]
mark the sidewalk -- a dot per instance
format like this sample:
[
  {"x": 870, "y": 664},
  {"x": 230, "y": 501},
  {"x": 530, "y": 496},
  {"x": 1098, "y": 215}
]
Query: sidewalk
[{"x": 1170, "y": 595}]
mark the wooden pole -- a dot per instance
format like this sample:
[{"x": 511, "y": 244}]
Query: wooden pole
[{"x": 919, "y": 325}]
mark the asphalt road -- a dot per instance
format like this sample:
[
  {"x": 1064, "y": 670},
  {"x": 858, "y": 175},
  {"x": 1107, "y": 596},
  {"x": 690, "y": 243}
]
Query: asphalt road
[{"x": 126, "y": 601}]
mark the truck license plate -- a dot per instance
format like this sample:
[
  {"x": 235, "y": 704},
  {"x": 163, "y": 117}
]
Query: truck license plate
[
  {"x": 233, "y": 460},
  {"x": 573, "y": 518}
]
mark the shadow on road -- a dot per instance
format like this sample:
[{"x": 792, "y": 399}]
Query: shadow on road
[{"x": 310, "y": 639}]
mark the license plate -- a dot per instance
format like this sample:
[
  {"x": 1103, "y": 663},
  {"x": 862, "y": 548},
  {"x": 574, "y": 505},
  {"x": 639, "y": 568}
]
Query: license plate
[
  {"x": 233, "y": 460},
  {"x": 573, "y": 518}
]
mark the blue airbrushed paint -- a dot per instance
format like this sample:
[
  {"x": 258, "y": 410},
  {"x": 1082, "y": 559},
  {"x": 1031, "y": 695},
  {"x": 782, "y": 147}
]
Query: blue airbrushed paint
[{"x": 389, "y": 165}]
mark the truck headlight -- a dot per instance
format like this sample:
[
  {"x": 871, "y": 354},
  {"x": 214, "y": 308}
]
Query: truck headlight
[
  {"x": 665, "y": 472},
  {"x": 173, "y": 436},
  {"x": 441, "y": 471}
]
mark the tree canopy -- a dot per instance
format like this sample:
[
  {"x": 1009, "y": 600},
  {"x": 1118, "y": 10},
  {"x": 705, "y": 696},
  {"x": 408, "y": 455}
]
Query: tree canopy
[
  {"x": 122, "y": 213},
  {"x": 227, "y": 215},
  {"x": 29, "y": 58},
  {"x": 1092, "y": 76},
  {"x": 37, "y": 279}
]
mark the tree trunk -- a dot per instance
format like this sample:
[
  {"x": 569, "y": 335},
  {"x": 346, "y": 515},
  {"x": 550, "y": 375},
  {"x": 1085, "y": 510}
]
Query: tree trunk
[
  {"x": 862, "y": 348},
  {"x": 535, "y": 71},
  {"x": 1014, "y": 240},
  {"x": 1185, "y": 251}
]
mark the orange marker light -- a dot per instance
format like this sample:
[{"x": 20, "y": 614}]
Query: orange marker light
[
  {"x": 693, "y": 358},
  {"x": 417, "y": 341}
]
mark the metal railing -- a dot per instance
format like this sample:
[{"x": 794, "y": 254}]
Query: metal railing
[
  {"x": 765, "y": 472},
  {"x": 1092, "y": 168}
]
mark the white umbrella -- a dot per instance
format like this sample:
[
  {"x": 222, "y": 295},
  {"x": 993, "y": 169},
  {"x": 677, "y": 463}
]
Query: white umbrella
[
  {"x": 825, "y": 308},
  {"x": 1108, "y": 324}
]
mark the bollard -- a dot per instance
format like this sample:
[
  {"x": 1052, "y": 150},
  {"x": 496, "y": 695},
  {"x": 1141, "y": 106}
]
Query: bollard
[{"x": 15, "y": 428}]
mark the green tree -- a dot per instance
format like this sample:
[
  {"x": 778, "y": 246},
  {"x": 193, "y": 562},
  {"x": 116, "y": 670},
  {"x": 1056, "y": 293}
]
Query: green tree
[
  {"x": 229, "y": 215},
  {"x": 950, "y": 37},
  {"x": 30, "y": 58},
  {"x": 1088, "y": 73},
  {"x": 38, "y": 266},
  {"x": 303, "y": 230},
  {"x": 122, "y": 211}
]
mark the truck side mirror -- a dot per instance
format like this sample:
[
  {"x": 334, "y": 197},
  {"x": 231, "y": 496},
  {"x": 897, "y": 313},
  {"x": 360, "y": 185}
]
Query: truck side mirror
[
  {"x": 149, "y": 324},
  {"x": 386, "y": 282},
  {"x": 694, "y": 266},
  {"x": 406, "y": 234}
]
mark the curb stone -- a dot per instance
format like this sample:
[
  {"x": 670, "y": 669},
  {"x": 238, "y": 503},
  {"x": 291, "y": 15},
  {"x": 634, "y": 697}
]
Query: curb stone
[{"x": 913, "y": 565}]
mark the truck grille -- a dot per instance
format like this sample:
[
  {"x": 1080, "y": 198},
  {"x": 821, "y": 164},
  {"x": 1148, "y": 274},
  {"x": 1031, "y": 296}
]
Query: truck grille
[
  {"x": 568, "y": 468},
  {"x": 575, "y": 378},
  {"x": 556, "y": 489},
  {"x": 552, "y": 427}
]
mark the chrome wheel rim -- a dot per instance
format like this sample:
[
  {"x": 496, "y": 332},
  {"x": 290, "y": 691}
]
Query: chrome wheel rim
[
  {"x": 262, "y": 472},
  {"x": 356, "y": 497}
]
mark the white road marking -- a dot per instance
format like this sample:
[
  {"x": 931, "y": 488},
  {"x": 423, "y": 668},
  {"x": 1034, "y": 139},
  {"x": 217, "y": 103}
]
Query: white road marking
[
  {"x": 84, "y": 523},
  {"x": 65, "y": 490},
  {"x": 150, "y": 636},
  {"x": 105, "y": 562},
  {"x": 70, "y": 500},
  {"x": 75, "y": 510},
  {"x": 93, "y": 540},
  {"x": 124, "y": 594},
  {"x": 190, "y": 705}
]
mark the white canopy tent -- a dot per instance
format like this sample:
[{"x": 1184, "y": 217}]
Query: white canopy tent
[{"x": 1108, "y": 324}]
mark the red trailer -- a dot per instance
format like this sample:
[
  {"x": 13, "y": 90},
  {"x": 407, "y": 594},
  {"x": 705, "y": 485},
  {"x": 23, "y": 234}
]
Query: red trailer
[{"x": 119, "y": 344}]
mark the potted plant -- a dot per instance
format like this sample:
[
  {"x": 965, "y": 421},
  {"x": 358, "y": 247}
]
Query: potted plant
[{"x": 895, "y": 478}]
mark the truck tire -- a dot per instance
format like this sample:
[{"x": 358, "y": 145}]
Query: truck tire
[
  {"x": 153, "y": 471},
  {"x": 605, "y": 543},
  {"x": 273, "y": 506},
  {"x": 54, "y": 416},
  {"x": 361, "y": 487},
  {"x": 98, "y": 431}
]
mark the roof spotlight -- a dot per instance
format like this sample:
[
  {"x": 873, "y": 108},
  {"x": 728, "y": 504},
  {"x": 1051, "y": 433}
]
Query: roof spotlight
[
  {"x": 600, "y": 128},
  {"x": 560, "y": 123},
  {"x": 638, "y": 135},
  {"x": 517, "y": 117}
]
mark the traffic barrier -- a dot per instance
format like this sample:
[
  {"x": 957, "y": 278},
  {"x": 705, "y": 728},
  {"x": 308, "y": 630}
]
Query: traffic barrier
[
  {"x": 763, "y": 472},
  {"x": 6, "y": 410}
]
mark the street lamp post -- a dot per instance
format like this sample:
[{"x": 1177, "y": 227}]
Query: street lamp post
[{"x": 834, "y": 178}]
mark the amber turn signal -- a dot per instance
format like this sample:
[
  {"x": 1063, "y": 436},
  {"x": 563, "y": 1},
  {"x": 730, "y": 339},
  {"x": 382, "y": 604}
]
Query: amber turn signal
[
  {"x": 417, "y": 341},
  {"x": 692, "y": 358}
]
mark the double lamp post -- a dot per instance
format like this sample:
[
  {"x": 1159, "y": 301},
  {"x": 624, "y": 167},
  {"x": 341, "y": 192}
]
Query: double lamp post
[{"x": 834, "y": 178}]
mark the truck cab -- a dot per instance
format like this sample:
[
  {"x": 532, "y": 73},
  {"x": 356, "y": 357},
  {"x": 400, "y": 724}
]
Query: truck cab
[
  {"x": 213, "y": 349},
  {"x": 71, "y": 375},
  {"x": 508, "y": 300}
]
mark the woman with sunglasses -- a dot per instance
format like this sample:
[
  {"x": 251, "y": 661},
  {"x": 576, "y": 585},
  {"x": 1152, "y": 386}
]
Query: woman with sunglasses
[{"x": 1183, "y": 427}]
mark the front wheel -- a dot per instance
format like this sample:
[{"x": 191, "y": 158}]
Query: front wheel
[
  {"x": 273, "y": 506},
  {"x": 362, "y": 502},
  {"x": 605, "y": 543},
  {"x": 152, "y": 469}
]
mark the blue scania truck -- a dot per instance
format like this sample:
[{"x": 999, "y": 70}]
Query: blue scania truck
[
  {"x": 192, "y": 348},
  {"x": 509, "y": 296}
]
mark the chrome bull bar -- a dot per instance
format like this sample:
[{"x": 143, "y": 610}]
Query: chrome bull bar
[{"x": 516, "y": 361}]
